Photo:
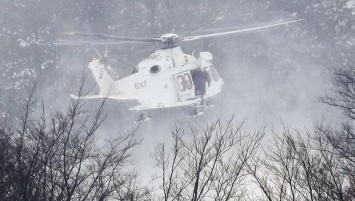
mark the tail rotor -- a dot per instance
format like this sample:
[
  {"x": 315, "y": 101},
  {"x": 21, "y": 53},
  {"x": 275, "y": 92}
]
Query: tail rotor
[{"x": 103, "y": 73}]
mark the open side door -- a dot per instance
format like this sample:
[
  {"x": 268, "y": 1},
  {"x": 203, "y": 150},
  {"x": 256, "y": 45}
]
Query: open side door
[{"x": 185, "y": 86}]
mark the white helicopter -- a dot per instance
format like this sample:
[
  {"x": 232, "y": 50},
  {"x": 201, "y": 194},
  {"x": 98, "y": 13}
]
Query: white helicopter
[{"x": 167, "y": 78}]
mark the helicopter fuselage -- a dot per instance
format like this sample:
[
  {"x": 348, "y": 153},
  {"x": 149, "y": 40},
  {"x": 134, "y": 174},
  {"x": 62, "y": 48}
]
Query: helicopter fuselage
[{"x": 167, "y": 78}]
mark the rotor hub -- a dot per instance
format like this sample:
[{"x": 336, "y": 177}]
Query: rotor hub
[{"x": 170, "y": 39}]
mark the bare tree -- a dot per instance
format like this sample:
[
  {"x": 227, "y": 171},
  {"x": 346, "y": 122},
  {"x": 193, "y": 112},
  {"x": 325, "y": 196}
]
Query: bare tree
[
  {"x": 340, "y": 143},
  {"x": 344, "y": 92},
  {"x": 206, "y": 165},
  {"x": 57, "y": 157},
  {"x": 316, "y": 165},
  {"x": 277, "y": 171},
  {"x": 302, "y": 166},
  {"x": 337, "y": 149}
]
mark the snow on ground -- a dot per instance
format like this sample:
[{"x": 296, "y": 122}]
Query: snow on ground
[{"x": 351, "y": 4}]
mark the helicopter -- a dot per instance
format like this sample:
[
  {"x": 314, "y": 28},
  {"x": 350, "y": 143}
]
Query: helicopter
[{"x": 167, "y": 78}]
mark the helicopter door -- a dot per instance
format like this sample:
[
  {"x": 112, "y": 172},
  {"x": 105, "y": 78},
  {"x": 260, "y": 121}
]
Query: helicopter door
[{"x": 185, "y": 85}]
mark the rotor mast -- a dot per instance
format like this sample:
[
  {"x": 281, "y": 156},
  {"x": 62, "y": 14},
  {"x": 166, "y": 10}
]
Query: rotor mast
[{"x": 170, "y": 40}]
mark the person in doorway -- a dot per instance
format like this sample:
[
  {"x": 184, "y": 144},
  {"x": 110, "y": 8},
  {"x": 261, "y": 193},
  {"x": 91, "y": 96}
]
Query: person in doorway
[
  {"x": 200, "y": 79},
  {"x": 207, "y": 76}
]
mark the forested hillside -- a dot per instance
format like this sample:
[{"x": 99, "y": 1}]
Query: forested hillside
[{"x": 289, "y": 89}]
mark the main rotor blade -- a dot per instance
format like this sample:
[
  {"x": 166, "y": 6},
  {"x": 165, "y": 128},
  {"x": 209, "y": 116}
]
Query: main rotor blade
[
  {"x": 105, "y": 36},
  {"x": 187, "y": 38},
  {"x": 90, "y": 42},
  {"x": 219, "y": 18}
]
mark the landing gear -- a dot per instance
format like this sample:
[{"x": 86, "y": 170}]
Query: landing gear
[
  {"x": 195, "y": 111},
  {"x": 143, "y": 116},
  {"x": 199, "y": 108},
  {"x": 208, "y": 104}
]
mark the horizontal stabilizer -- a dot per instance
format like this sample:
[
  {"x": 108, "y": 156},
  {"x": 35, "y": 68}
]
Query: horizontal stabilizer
[{"x": 86, "y": 97}]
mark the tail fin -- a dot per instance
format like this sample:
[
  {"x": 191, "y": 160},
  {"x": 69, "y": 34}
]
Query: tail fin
[{"x": 103, "y": 74}]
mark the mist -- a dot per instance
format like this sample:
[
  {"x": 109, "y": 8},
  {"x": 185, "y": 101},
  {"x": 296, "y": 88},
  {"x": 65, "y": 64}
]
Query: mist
[{"x": 272, "y": 77}]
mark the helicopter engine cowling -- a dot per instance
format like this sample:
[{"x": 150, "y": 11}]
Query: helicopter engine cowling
[{"x": 204, "y": 58}]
